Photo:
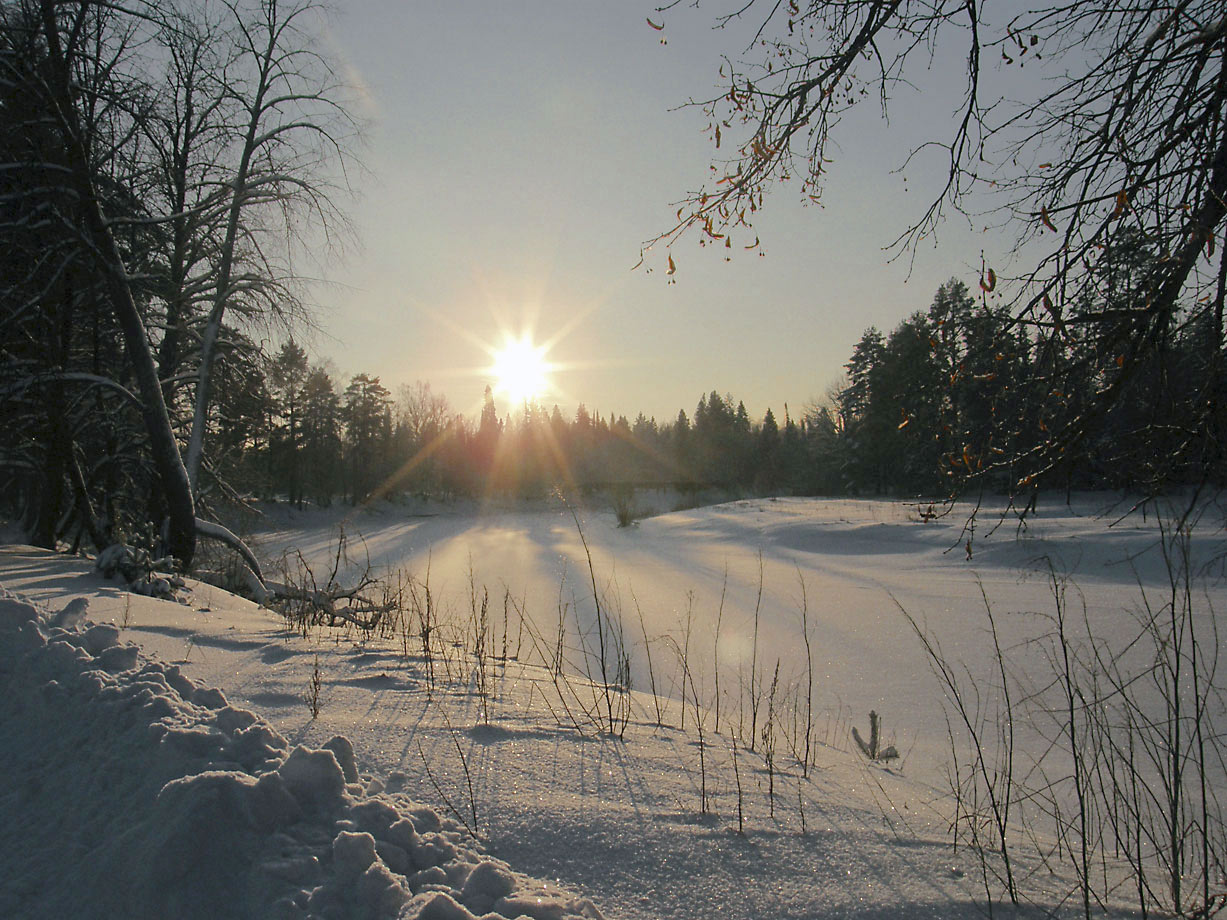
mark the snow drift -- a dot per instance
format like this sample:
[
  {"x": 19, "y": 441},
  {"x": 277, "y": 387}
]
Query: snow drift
[{"x": 157, "y": 798}]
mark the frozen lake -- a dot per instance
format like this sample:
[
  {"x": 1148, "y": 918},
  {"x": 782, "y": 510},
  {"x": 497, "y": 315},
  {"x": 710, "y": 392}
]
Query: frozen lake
[{"x": 859, "y": 561}]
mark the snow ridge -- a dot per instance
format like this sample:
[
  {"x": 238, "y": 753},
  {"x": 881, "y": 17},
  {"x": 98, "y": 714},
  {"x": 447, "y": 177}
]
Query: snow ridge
[{"x": 157, "y": 798}]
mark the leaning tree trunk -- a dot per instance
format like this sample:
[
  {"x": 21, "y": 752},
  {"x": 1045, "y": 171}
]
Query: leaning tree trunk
[
  {"x": 181, "y": 538},
  {"x": 212, "y": 330}
]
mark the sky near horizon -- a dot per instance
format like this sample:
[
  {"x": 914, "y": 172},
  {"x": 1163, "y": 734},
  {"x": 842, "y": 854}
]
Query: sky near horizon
[{"x": 520, "y": 154}]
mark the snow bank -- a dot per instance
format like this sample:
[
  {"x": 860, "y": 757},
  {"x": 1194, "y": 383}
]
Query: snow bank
[{"x": 129, "y": 791}]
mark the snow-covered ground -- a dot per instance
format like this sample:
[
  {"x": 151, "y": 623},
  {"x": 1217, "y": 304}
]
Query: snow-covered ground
[{"x": 650, "y": 823}]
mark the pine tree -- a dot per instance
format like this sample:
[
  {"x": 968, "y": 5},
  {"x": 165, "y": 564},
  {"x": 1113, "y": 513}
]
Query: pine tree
[
  {"x": 767, "y": 459},
  {"x": 321, "y": 436},
  {"x": 367, "y": 414},
  {"x": 288, "y": 372}
]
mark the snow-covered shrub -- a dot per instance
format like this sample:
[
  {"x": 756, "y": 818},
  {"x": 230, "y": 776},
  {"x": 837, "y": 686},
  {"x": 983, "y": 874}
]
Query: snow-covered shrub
[
  {"x": 624, "y": 504},
  {"x": 144, "y": 574}
]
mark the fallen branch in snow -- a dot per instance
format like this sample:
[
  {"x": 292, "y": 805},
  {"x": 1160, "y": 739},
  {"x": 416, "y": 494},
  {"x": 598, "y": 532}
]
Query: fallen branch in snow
[
  {"x": 303, "y": 601},
  {"x": 329, "y": 606}
]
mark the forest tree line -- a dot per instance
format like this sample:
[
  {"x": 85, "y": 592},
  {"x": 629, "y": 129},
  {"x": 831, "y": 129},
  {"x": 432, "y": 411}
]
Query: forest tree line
[
  {"x": 955, "y": 395},
  {"x": 296, "y": 434}
]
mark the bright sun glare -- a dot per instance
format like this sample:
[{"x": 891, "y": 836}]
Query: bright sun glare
[{"x": 521, "y": 371}]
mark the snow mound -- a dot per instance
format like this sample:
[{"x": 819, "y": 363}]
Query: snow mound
[{"x": 129, "y": 791}]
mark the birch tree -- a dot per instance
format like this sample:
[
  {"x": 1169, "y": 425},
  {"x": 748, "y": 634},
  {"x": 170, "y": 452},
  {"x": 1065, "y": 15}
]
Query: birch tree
[{"x": 290, "y": 130}]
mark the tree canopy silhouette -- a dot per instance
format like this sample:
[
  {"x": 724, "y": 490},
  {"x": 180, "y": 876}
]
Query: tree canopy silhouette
[{"x": 1122, "y": 135}]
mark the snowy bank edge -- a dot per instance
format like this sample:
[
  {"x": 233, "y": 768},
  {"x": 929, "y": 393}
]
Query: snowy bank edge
[{"x": 139, "y": 793}]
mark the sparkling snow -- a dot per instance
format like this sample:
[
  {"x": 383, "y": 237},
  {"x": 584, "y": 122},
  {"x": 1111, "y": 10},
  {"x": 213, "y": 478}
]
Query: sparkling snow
[{"x": 161, "y": 758}]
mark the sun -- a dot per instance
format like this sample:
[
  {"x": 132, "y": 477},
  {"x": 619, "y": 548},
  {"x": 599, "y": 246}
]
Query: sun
[{"x": 521, "y": 372}]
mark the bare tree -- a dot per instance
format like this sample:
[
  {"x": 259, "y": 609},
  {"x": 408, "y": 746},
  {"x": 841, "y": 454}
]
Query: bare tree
[
  {"x": 421, "y": 412},
  {"x": 291, "y": 132},
  {"x": 182, "y": 200},
  {"x": 186, "y": 136},
  {"x": 1125, "y": 132}
]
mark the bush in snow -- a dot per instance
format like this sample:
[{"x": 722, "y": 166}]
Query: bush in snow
[{"x": 140, "y": 570}]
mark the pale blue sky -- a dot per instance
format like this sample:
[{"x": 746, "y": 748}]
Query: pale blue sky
[{"x": 520, "y": 154}]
